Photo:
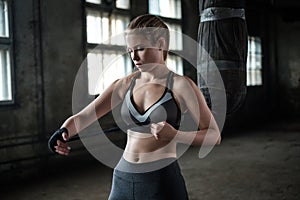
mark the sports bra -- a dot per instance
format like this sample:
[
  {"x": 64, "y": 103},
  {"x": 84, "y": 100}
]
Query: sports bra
[{"x": 164, "y": 109}]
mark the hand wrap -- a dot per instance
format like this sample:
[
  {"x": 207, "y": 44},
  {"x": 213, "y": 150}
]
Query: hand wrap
[{"x": 57, "y": 135}]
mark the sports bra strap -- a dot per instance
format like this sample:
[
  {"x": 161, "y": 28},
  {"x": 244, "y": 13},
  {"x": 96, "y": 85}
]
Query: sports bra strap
[
  {"x": 133, "y": 81},
  {"x": 170, "y": 81}
]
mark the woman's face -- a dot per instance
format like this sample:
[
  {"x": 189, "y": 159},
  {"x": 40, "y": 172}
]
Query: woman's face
[{"x": 143, "y": 53}]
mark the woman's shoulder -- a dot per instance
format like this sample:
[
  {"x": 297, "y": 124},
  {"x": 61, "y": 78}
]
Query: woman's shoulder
[
  {"x": 183, "y": 84},
  {"x": 127, "y": 79},
  {"x": 123, "y": 84},
  {"x": 181, "y": 80}
]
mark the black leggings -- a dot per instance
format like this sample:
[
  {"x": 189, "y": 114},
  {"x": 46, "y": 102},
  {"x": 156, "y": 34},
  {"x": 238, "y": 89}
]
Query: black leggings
[{"x": 162, "y": 184}]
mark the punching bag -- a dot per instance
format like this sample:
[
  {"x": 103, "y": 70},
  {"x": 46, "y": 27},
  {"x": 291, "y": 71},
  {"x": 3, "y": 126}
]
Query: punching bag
[{"x": 223, "y": 39}]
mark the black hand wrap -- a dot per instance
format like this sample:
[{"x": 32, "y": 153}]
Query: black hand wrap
[{"x": 57, "y": 135}]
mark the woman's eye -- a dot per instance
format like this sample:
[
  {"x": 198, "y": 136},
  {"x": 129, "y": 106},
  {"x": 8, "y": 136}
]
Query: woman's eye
[
  {"x": 140, "y": 49},
  {"x": 129, "y": 51}
]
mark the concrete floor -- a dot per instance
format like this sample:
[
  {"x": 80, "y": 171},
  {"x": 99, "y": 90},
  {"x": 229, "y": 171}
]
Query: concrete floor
[{"x": 249, "y": 165}]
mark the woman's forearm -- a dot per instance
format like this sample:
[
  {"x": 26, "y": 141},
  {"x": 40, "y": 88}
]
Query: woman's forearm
[
  {"x": 72, "y": 124},
  {"x": 78, "y": 122},
  {"x": 69, "y": 124},
  {"x": 210, "y": 136}
]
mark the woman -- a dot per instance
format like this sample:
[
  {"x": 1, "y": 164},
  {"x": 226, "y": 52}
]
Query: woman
[{"x": 156, "y": 98}]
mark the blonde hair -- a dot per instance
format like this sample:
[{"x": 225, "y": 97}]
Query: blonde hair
[{"x": 153, "y": 28}]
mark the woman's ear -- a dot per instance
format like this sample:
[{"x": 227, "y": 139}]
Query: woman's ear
[{"x": 162, "y": 43}]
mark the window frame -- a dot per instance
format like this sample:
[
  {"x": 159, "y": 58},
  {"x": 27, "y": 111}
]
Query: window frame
[{"x": 7, "y": 43}]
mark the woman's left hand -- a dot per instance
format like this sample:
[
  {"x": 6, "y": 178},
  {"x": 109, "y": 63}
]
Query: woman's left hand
[{"x": 163, "y": 131}]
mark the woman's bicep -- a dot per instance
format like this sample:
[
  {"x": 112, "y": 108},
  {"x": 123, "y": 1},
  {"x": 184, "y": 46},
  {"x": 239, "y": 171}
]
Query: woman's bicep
[
  {"x": 94, "y": 110},
  {"x": 99, "y": 106},
  {"x": 109, "y": 99},
  {"x": 195, "y": 103}
]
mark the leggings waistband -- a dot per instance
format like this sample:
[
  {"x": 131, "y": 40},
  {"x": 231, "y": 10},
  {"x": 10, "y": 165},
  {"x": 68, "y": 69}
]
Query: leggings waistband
[{"x": 128, "y": 167}]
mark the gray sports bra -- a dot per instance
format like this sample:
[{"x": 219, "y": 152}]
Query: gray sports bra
[{"x": 165, "y": 109}]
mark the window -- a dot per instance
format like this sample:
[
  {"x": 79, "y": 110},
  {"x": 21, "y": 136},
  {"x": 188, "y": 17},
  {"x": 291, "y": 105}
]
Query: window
[
  {"x": 166, "y": 8},
  {"x": 94, "y": 1},
  {"x": 254, "y": 61},
  {"x": 175, "y": 64},
  {"x": 104, "y": 67},
  {"x": 106, "y": 58},
  {"x": 170, "y": 11},
  {"x": 123, "y": 4},
  {"x": 175, "y": 36},
  {"x": 101, "y": 27},
  {"x": 6, "y": 86}
]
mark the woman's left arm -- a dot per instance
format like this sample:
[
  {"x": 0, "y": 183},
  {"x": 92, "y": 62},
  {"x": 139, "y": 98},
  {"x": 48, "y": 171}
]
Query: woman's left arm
[{"x": 192, "y": 100}]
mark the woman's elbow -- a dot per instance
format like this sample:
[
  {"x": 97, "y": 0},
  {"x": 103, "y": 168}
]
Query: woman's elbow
[{"x": 218, "y": 136}]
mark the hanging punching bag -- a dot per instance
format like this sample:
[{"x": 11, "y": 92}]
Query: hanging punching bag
[{"x": 222, "y": 38}]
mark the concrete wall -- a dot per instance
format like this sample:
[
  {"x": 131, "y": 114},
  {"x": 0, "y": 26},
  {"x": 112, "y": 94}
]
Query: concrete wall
[
  {"x": 62, "y": 43},
  {"x": 48, "y": 50},
  {"x": 288, "y": 52},
  {"x": 279, "y": 96},
  {"x": 256, "y": 108},
  {"x": 21, "y": 122}
]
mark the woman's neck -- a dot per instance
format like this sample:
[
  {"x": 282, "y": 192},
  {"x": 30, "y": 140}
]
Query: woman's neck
[{"x": 157, "y": 72}]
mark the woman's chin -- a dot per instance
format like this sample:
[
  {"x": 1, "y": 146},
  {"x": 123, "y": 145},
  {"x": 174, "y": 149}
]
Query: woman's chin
[{"x": 142, "y": 67}]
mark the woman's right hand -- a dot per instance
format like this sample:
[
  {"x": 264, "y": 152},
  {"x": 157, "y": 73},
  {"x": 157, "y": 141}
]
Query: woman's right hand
[{"x": 63, "y": 148}]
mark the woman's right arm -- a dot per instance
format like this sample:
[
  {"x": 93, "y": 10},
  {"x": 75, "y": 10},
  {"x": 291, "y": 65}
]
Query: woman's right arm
[
  {"x": 104, "y": 103},
  {"x": 95, "y": 110}
]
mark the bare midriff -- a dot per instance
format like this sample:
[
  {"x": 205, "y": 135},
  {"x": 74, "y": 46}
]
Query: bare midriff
[{"x": 143, "y": 148}]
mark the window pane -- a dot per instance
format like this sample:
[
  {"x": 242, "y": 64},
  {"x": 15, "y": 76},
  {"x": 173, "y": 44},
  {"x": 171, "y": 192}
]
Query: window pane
[
  {"x": 175, "y": 36},
  {"x": 104, "y": 68},
  {"x": 154, "y": 7},
  {"x": 118, "y": 24},
  {"x": 5, "y": 76},
  {"x": 105, "y": 28},
  {"x": 165, "y": 8},
  {"x": 174, "y": 63},
  {"x": 254, "y": 61},
  {"x": 123, "y": 4},
  {"x": 4, "y": 30},
  {"x": 93, "y": 26},
  {"x": 94, "y": 1},
  {"x": 101, "y": 28}
]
